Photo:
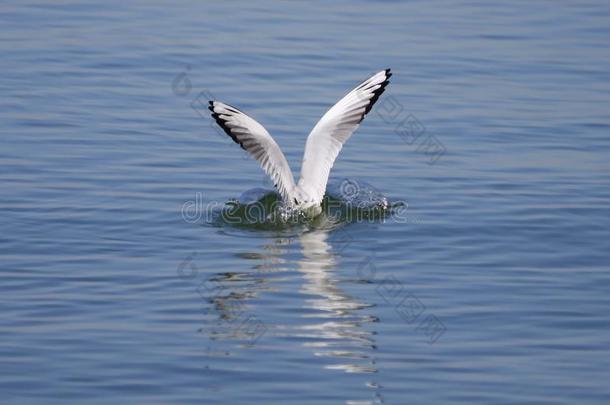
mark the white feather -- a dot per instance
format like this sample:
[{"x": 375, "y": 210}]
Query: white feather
[{"x": 332, "y": 131}]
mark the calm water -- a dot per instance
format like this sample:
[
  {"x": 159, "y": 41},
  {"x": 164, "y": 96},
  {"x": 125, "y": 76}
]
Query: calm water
[{"x": 493, "y": 287}]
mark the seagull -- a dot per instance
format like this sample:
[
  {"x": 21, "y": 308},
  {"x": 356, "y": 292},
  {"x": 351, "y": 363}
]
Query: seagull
[{"x": 321, "y": 149}]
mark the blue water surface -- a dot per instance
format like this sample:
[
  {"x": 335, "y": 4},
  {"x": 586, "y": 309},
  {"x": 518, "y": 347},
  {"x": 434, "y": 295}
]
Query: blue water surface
[{"x": 491, "y": 286}]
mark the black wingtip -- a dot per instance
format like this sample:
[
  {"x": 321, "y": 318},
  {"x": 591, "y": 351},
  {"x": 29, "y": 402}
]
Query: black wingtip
[
  {"x": 222, "y": 124},
  {"x": 377, "y": 93}
]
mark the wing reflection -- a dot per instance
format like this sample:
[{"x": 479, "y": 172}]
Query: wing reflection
[{"x": 340, "y": 334}]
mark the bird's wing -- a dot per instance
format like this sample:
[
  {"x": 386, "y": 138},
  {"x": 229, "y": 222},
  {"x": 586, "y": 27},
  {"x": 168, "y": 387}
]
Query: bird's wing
[
  {"x": 255, "y": 140},
  {"x": 336, "y": 126}
]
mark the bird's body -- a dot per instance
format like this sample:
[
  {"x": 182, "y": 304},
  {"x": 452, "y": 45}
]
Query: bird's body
[{"x": 323, "y": 143}]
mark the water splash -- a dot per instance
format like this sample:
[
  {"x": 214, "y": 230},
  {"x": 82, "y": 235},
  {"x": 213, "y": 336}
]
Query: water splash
[{"x": 346, "y": 201}]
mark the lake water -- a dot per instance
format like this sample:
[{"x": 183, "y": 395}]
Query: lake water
[{"x": 491, "y": 286}]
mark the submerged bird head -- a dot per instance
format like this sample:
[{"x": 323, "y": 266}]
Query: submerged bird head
[
  {"x": 303, "y": 201},
  {"x": 301, "y": 198}
]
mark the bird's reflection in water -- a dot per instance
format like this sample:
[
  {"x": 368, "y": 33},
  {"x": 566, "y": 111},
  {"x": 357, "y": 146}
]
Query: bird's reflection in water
[{"x": 332, "y": 323}]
